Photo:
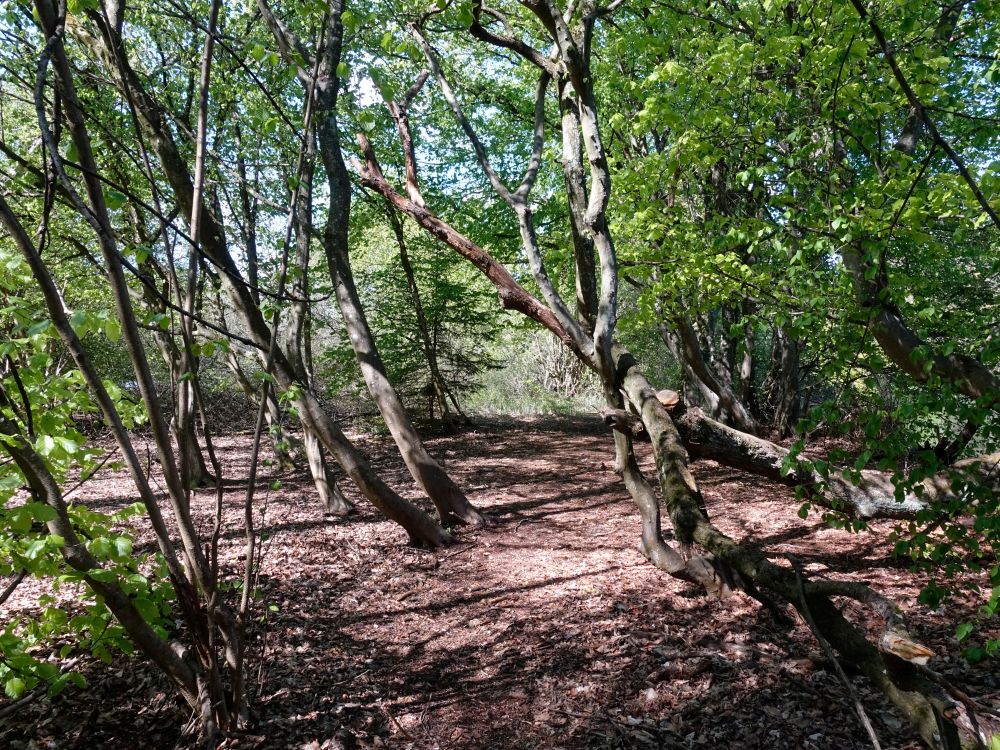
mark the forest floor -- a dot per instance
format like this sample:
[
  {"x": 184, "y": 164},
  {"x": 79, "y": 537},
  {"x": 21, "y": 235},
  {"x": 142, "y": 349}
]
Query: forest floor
[{"x": 546, "y": 629}]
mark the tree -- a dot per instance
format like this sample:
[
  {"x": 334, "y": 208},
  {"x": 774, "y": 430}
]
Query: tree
[
  {"x": 801, "y": 208},
  {"x": 574, "y": 37}
]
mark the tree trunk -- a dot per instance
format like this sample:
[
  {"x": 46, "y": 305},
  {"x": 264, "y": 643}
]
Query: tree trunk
[
  {"x": 707, "y": 398},
  {"x": 873, "y": 497},
  {"x": 718, "y": 384},
  {"x": 330, "y": 496},
  {"x": 921, "y": 699},
  {"x": 440, "y": 391},
  {"x": 782, "y": 386},
  {"x": 44, "y": 489},
  {"x": 420, "y": 527},
  {"x": 194, "y": 471},
  {"x": 451, "y": 503}
]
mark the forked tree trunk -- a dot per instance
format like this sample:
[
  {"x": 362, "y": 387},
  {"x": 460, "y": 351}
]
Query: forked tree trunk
[
  {"x": 914, "y": 691},
  {"x": 451, "y": 503},
  {"x": 920, "y": 698}
]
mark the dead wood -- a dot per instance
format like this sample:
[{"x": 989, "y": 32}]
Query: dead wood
[{"x": 875, "y": 496}]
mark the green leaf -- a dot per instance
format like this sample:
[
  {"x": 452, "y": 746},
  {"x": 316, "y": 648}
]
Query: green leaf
[
  {"x": 114, "y": 200},
  {"x": 41, "y": 512},
  {"x": 39, "y": 328},
  {"x": 35, "y": 548},
  {"x": 963, "y": 630},
  {"x": 14, "y": 687},
  {"x": 19, "y": 520},
  {"x": 123, "y": 546},
  {"x": 45, "y": 445}
]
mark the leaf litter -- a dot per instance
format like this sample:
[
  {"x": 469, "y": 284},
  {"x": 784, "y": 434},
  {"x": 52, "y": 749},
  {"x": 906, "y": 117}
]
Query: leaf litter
[{"x": 546, "y": 629}]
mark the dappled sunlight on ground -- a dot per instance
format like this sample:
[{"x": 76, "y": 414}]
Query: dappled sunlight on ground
[{"x": 546, "y": 629}]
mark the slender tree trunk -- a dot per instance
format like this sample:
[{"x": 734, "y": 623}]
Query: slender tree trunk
[
  {"x": 330, "y": 496},
  {"x": 451, "y": 503},
  {"x": 183, "y": 429},
  {"x": 298, "y": 342},
  {"x": 576, "y": 195},
  {"x": 194, "y": 470},
  {"x": 783, "y": 380},
  {"x": 727, "y": 399},
  {"x": 440, "y": 392},
  {"x": 707, "y": 398}
]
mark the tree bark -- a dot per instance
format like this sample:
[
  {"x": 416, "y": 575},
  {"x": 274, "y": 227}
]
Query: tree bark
[
  {"x": 420, "y": 527},
  {"x": 873, "y": 497},
  {"x": 298, "y": 342},
  {"x": 452, "y": 505}
]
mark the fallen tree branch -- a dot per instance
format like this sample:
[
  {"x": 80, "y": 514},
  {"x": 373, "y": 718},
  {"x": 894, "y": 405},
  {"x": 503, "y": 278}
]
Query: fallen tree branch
[{"x": 832, "y": 657}]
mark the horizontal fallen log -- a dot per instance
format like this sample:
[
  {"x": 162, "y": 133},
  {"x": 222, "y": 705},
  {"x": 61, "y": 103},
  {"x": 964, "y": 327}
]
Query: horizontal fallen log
[{"x": 871, "y": 498}]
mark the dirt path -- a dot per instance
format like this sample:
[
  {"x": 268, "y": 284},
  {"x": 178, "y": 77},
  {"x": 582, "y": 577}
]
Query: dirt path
[{"x": 545, "y": 630}]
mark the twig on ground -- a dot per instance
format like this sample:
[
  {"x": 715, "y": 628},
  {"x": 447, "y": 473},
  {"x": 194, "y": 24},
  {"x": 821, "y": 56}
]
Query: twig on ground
[
  {"x": 395, "y": 723},
  {"x": 465, "y": 549},
  {"x": 21, "y": 702},
  {"x": 828, "y": 650}
]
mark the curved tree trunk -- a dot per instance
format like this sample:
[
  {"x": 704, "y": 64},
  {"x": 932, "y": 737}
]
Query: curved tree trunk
[
  {"x": 421, "y": 528},
  {"x": 451, "y": 503},
  {"x": 911, "y": 688},
  {"x": 727, "y": 398},
  {"x": 330, "y": 495},
  {"x": 873, "y": 497}
]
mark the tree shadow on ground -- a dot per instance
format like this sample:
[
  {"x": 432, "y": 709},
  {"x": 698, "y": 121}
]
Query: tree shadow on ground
[{"x": 546, "y": 629}]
